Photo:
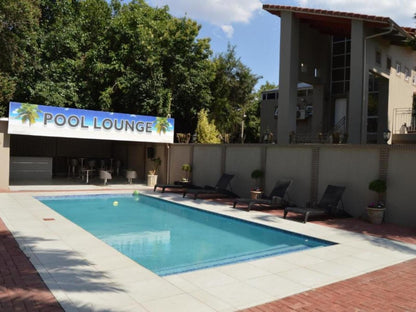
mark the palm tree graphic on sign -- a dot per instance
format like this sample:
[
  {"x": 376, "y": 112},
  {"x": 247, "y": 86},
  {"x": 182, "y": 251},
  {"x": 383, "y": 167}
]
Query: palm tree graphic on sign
[
  {"x": 161, "y": 124},
  {"x": 28, "y": 112}
]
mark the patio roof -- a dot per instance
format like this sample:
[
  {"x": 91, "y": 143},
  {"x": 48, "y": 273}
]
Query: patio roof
[{"x": 339, "y": 23}]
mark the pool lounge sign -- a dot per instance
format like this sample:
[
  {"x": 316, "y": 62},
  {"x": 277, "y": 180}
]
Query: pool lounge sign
[{"x": 40, "y": 120}]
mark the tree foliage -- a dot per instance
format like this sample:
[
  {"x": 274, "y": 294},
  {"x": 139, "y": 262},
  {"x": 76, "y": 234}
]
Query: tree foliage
[
  {"x": 232, "y": 90},
  {"x": 120, "y": 56},
  {"x": 19, "y": 22},
  {"x": 205, "y": 130}
]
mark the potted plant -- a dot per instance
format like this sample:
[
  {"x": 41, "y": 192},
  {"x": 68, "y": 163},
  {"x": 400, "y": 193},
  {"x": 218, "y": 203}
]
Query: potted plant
[
  {"x": 187, "y": 168},
  {"x": 375, "y": 210},
  {"x": 257, "y": 190},
  {"x": 152, "y": 175}
]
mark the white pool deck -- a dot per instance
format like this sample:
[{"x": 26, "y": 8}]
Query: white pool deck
[{"x": 85, "y": 274}]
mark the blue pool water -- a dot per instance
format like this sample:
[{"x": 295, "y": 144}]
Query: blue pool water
[{"x": 170, "y": 238}]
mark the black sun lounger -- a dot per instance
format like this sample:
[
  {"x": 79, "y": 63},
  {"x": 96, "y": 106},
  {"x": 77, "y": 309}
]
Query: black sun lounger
[
  {"x": 328, "y": 203},
  {"x": 276, "y": 198},
  {"x": 219, "y": 189}
]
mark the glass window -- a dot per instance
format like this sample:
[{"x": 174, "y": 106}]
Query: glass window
[
  {"x": 378, "y": 57},
  {"x": 373, "y": 104},
  {"x": 398, "y": 68},
  {"x": 338, "y": 75},
  {"x": 271, "y": 96},
  {"x": 372, "y": 124},
  {"x": 338, "y": 48},
  {"x": 301, "y": 92},
  {"x": 406, "y": 73},
  {"x": 337, "y": 87},
  {"x": 348, "y": 43},
  {"x": 388, "y": 63},
  {"x": 338, "y": 61}
]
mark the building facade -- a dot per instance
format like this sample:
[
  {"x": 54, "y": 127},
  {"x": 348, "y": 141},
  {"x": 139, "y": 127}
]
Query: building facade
[{"x": 361, "y": 68}]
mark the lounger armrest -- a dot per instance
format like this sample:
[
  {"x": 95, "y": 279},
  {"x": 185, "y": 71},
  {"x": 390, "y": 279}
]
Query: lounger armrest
[{"x": 277, "y": 200}]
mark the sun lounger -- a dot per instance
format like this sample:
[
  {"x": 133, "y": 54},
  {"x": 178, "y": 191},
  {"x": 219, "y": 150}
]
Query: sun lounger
[
  {"x": 327, "y": 205},
  {"x": 219, "y": 189},
  {"x": 277, "y": 198},
  {"x": 177, "y": 185}
]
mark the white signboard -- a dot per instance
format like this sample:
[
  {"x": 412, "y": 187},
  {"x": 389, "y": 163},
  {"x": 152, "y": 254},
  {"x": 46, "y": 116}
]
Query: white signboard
[{"x": 40, "y": 120}]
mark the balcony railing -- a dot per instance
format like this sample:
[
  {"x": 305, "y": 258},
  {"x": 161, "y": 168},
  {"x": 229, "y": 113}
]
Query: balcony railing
[{"x": 404, "y": 121}]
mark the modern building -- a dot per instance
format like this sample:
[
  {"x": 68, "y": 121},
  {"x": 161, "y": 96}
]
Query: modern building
[
  {"x": 269, "y": 112},
  {"x": 361, "y": 68}
]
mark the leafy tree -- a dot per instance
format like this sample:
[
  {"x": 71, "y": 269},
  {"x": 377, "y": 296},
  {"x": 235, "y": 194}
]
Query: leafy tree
[
  {"x": 206, "y": 131},
  {"x": 18, "y": 35},
  {"x": 232, "y": 90}
]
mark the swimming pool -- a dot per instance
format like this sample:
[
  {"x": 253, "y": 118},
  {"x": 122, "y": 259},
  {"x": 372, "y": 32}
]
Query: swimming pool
[{"x": 169, "y": 238}]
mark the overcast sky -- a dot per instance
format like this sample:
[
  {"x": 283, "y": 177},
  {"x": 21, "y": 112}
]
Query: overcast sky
[{"x": 255, "y": 32}]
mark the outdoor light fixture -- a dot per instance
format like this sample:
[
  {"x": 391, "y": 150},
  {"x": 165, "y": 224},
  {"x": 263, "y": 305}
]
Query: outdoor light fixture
[
  {"x": 386, "y": 135},
  {"x": 303, "y": 68}
]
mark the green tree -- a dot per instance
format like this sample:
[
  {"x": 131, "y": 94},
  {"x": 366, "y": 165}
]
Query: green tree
[
  {"x": 232, "y": 90},
  {"x": 206, "y": 131},
  {"x": 19, "y": 21}
]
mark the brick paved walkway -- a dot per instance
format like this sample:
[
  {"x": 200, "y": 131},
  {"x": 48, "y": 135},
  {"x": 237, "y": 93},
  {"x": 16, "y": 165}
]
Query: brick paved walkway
[
  {"x": 21, "y": 287},
  {"x": 390, "y": 289}
]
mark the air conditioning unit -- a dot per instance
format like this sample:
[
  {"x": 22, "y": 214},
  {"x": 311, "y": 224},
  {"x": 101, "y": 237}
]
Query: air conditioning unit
[{"x": 301, "y": 114}]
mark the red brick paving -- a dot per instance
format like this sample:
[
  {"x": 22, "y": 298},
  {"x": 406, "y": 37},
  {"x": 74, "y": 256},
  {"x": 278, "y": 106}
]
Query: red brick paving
[
  {"x": 21, "y": 287},
  {"x": 389, "y": 289}
]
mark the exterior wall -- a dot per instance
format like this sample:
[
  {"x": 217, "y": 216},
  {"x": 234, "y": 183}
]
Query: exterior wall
[
  {"x": 4, "y": 156},
  {"x": 135, "y": 159},
  {"x": 292, "y": 163},
  {"x": 179, "y": 155},
  {"x": 400, "y": 199},
  {"x": 312, "y": 167},
  {"x": 242, "y": 167},
  {"x": 400, "y": 90},
  {"x": 160, "y": 151},
  {"x": 288, "y": 81},
  {"x": 356, "y": 112},
  {"x": 208, "y": 164},
  {"x": 353, "y": 168}
]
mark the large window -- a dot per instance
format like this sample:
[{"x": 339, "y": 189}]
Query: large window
[
  {"x": 340, "y": 65},
  {"x": 373, "y": 100}
]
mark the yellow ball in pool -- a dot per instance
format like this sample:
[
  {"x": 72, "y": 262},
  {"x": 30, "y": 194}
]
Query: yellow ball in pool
[{"x": 115, "y": 203}]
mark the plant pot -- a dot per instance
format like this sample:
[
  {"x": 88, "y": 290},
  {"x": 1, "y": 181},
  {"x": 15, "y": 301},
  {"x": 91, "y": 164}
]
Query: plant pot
[
  {"x": 255, "y": 194},
  {"x": 375, "y": 215},
  {"x": 151, "y": 180}
]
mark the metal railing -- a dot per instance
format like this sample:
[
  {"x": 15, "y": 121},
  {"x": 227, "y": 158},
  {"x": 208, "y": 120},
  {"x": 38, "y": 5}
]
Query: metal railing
[{"x": 404, "y": 121}]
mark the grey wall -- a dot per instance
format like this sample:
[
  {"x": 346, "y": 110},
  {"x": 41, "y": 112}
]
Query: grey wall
[
  {"x": 4, "y": 156},
  {"x": 311, "y": 167}
]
